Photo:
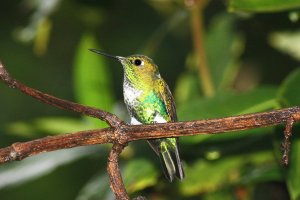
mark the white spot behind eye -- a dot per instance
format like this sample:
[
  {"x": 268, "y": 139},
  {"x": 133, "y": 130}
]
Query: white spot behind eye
[{"x": 158, "y": 75}]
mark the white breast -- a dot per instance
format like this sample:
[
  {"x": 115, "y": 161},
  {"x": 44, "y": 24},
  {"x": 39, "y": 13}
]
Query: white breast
[
  {"x": 130, "y": 94},
  {"x": 159, "y": 119},
  {"x": 134, "y": 121}
]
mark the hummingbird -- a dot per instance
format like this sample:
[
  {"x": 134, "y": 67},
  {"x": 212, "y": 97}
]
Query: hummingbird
[{"x": 148, "y": 100}]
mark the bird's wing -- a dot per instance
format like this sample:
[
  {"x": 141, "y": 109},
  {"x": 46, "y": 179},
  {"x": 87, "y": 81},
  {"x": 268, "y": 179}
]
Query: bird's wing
[{"x": 163, "y": 90}]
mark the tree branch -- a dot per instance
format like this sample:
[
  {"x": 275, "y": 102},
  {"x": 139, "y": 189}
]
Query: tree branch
[
  {"x": 21, "y": 150},
  {"x": 127, "y": 133},
  {"x": 286, "y": 144},
  {"x": 120, "y": 133},
  {"x": 116, "y": 182}
]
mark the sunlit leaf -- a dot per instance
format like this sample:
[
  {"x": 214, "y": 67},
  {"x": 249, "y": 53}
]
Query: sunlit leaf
[
  {"x": 38, "y": 27},
  {"x": 289, "y": 92},
  {"x": 25, "y": 129},
  {"x": 42, "y": 36},
  {"x": 287, "y": 42},
  {"x": 46, "y": 125},
  {"x": 92, "y": 78},
  {"x": 262, "y": 6},
  {"x": 139, "y": 174}
]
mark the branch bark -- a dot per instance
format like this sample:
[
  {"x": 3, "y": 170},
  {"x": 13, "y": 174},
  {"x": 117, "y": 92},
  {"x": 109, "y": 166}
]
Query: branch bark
[
  {"x": 127, "y": 133},
  {"x": 119, "y": 134},
  {"x": 21, "y": 150},
  {"x": 116, "y": 182}
]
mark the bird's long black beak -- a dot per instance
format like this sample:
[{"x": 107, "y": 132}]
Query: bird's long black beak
[{"x": 119, "y": 58}]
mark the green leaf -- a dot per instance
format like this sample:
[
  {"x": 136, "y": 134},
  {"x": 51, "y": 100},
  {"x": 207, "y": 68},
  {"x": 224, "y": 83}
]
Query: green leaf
[
  {"x": 92, "y": 78},
  {"x": 187, "y": 88},
  {"x": 293, "y": 181},
  {"x": 207, "y": 176},
  {"x": 265, "y": 172},
  {"x": 289, "y": 91},
  {"x": 222, "y": 42},
  {"x": 139, "y": 174},
  {"x": 46, "y": 125},
  {"x": 227, "y": 104},
  {"x": 219, "y": 194},
  {"x": 262, "y": 5}
]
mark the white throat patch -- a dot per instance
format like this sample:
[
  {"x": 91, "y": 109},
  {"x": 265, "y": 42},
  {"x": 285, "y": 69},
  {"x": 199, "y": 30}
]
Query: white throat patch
[{"x": 131, "y": 94}]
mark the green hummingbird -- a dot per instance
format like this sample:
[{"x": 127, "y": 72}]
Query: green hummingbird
[{"x": 149, "y": 100}]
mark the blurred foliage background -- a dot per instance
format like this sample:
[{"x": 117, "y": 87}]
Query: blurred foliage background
[{"x": 220, "y": 58}]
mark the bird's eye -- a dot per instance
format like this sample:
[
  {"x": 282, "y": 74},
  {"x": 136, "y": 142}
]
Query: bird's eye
[{"x": 138, "y": 62}]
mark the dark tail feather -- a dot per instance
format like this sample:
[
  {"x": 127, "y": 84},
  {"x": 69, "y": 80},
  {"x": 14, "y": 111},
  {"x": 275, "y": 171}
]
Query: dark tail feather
[{"x": 170, "y": 160}]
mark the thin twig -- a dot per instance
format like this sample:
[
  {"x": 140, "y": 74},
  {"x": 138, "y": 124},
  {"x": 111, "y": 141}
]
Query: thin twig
[{"x": 111, "y": 119}]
